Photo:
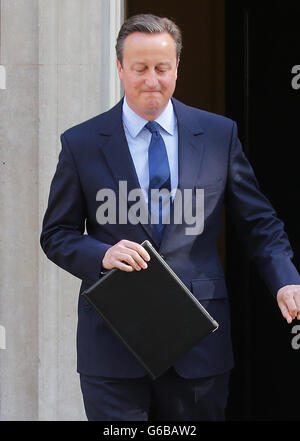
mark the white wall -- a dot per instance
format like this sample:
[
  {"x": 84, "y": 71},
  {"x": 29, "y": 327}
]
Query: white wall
[{"x": 58, "y": 59}]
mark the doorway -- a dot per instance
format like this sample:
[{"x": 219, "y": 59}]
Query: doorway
[
  {"x": 238, "y": 60},
  {"x": 201, "y": 74}
]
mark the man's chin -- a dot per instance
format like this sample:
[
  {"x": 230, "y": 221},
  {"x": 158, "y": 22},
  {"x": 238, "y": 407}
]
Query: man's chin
[
  {"x": 153, "y": 109},
  {"x": 149, "y": 110}
]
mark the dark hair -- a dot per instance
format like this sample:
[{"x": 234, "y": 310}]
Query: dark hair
[{"x": 150, "y": 24}]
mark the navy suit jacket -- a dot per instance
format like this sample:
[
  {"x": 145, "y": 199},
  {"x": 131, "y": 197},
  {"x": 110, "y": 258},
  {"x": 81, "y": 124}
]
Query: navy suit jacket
[{"x": 95, "y": 155}]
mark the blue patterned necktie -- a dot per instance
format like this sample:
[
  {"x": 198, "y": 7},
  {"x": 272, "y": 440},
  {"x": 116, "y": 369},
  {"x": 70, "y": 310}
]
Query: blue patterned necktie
[{"x": 159, "y": 176}]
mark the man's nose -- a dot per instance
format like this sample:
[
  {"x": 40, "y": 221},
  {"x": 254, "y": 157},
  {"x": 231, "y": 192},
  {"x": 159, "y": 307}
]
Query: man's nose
[{"x": 151, "y": 79}]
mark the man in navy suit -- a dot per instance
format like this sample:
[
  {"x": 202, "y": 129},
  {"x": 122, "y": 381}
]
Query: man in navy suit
[{"x": 203, "y": 152}]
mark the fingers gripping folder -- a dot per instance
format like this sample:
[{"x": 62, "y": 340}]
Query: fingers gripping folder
[{"x": 152, "y": 312}]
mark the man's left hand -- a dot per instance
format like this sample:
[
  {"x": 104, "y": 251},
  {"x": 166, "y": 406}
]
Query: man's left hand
[{"x": 288, "y": 299}]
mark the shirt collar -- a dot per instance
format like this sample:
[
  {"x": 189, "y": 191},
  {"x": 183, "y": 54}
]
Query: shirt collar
[{"x": 135, "y": 123}]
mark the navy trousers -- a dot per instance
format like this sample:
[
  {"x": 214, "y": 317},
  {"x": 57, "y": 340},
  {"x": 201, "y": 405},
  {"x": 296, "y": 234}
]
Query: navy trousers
[{"x": 168, "y": 398}]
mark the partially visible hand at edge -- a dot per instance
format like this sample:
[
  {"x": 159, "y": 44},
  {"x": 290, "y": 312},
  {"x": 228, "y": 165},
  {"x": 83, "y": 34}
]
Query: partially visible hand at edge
[{"x": 288, "y": 299}]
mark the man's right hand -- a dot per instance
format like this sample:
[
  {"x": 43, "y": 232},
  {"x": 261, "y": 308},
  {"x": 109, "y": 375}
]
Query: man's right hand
[{"x": 127, "y": 256}]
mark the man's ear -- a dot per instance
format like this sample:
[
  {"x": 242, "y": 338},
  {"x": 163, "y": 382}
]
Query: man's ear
[
  {"x": 120, "y": 68},
  {"x": 177, "y": 68}
]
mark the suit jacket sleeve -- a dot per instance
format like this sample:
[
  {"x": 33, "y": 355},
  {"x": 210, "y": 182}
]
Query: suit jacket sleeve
[
  {"x": 257, "y": 223},
  {"x": 62, "y": 238}
]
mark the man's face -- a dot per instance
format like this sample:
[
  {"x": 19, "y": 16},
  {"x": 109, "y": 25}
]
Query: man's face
[{"x": 148, "y": 72}]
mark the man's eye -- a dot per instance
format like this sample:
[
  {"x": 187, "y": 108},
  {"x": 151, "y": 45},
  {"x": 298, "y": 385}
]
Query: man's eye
[{"x": 162, "y": 69}]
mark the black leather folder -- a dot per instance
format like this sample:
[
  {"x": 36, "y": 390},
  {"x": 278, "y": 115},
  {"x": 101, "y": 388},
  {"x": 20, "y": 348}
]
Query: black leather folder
[{"x": 152, "y": 312}]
